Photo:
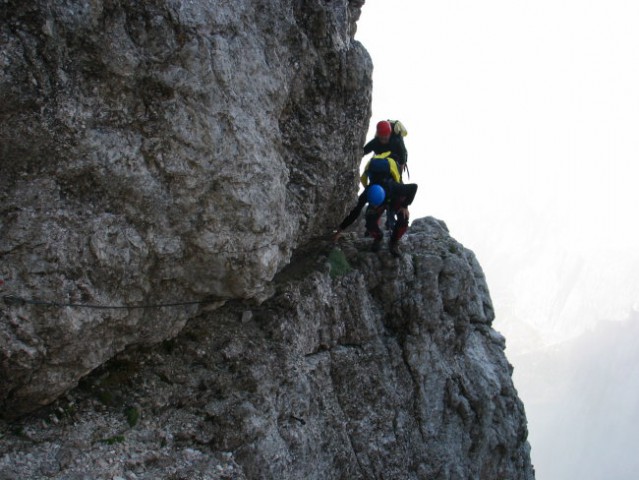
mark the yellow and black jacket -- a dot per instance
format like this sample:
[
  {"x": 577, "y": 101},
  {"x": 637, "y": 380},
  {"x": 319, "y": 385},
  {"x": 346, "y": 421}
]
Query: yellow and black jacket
[{"x": 381, "y": 169}]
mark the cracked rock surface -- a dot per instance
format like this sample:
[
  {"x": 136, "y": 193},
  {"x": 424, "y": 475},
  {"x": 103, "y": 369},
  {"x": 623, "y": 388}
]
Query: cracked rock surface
[
  {"x": 159, "y": 152},
  {"x": 172, "y": 308},
  {"x": 359, "y": 366}
]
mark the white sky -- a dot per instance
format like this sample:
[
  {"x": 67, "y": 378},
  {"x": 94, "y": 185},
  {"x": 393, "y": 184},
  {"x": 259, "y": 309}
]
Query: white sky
[{"x": 523, "y": 121}]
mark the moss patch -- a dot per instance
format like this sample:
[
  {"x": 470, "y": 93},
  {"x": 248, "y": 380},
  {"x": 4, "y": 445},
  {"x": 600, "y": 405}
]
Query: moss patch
[
  {"x": 132, "y": 416},
  {"x": 338, "y": 263}
]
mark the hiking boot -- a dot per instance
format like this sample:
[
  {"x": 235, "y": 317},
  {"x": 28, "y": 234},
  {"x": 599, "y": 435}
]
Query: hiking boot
[
  {"x": 393, "y": 247},
  {"x": 377, "y": 243}
]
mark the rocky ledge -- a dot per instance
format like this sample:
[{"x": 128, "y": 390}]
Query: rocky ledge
[{"x": 359, "y": 366}]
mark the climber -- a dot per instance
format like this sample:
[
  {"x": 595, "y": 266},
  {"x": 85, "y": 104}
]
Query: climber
[
  {"x": 389, "y": 137},
  {"x": 363, "y": 197},
  {"x": 401, "y": 196},
  {"x": 382, "y": 171}
]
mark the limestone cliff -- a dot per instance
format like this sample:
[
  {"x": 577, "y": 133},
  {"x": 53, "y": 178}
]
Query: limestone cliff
[
  {"x": 167, "y": 170},
  {"x": 161, "y": 152}
]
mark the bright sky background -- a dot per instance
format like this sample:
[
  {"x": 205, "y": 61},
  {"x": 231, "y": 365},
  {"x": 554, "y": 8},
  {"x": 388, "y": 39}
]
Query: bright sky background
[{"x": 523, "y": 121}]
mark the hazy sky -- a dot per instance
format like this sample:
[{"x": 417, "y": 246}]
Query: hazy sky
[{"x": 523, "y": 122}]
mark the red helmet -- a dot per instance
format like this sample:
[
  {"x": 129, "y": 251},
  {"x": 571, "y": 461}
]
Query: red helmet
[{"x": 384, "y": 129}]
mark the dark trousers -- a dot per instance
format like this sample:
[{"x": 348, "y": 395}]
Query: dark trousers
[{"x": 401, "y": 196}]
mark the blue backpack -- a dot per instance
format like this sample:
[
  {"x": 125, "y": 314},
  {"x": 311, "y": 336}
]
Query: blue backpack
[{"x": 379, "y": 171}]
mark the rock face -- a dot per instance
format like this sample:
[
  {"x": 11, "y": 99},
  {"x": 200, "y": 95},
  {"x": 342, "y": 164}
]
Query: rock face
[
  {"x": 182, "y": 160},
  {"x": 160, "y": 152},
  {"x": 359, "y": 366}
]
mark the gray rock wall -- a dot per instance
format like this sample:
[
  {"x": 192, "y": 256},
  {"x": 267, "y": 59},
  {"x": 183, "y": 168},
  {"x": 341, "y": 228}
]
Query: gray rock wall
[
  {"x": 193, "y": 153},
  {"x": 160, "y": 152},
  {"x": 381, "y": 368}
]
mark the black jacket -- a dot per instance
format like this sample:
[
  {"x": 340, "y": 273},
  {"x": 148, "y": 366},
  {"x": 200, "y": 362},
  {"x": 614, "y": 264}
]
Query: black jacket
[{"x": 395, "y": 145}]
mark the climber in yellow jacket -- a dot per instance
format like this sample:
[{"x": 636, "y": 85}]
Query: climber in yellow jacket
[{"x": 382, "y": 190}]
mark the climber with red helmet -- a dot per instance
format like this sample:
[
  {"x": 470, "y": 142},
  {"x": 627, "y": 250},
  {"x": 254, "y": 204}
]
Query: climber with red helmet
[
  {"x": 388, "y": 140},
  {"x": 389, "y": 137},
  {"x": 382, "y": 191}
]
